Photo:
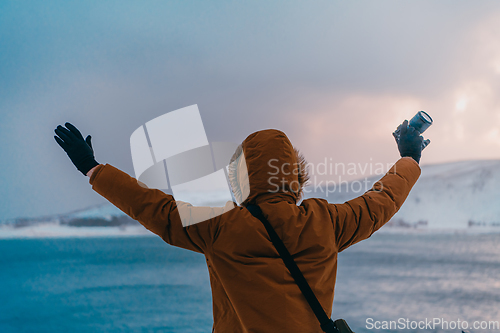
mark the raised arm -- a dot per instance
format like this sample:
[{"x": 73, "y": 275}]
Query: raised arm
[
  {"x": 359, "y": 218},
  {"x": 154, "y": 209},
  {"x": 158, "y": 211}
]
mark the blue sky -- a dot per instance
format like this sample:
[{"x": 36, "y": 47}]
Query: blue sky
[{"x": 336, "y": 76}]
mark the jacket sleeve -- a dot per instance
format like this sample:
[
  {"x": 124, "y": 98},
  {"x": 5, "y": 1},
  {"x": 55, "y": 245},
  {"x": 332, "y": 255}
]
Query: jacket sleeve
[
  {"x": 359, "y": 218},
  {"x": 155, "y": 210}
]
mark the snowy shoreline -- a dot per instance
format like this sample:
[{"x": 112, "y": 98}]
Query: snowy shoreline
[{"x": 54, "y": 230}]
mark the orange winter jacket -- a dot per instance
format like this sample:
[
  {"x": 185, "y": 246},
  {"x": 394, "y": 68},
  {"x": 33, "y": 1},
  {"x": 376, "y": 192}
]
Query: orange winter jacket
[{"x": 252, "y": 290}]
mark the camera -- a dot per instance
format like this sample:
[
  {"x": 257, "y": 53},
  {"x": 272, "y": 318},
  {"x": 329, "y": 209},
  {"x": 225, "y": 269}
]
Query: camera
[{"x": 421, "y": 121}]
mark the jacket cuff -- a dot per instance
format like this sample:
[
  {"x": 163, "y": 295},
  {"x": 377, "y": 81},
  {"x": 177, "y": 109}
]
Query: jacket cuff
[
  {"x": 95, "y": 172},
  {"x": 408, "y": 168},
  {"x": 412, "y": 160}
]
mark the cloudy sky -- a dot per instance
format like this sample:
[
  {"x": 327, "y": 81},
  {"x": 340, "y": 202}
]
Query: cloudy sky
[{"x": 336, "y": 76}]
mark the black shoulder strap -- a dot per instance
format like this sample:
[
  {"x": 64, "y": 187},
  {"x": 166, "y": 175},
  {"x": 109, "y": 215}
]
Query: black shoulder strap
[{"x": 327, "y": 325}]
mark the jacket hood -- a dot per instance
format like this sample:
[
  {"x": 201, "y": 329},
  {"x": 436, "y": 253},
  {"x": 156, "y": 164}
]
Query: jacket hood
[{"x": 267, "y": 165}]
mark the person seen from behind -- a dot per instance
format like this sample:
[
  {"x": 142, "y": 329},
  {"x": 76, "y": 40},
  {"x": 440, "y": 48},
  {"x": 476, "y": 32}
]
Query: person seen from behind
[{"x": 252, "y": 290}]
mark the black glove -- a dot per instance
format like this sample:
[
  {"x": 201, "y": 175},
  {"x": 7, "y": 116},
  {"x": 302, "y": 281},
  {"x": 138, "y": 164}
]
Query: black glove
[
  {"x": 410, "y": 142},
  {"x": 79, "y": 150}
]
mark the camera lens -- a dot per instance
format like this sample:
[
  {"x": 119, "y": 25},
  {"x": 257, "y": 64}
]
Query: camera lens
[
  {"x": 425, "y": 116},
  {"x": 421, "y": 121}
]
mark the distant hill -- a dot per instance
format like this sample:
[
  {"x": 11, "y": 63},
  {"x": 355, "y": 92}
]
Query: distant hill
[
  {"x": 100, "y": 220},
  {"x": 447, "y": 196},
  {"x": 103, "y": 215}
]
